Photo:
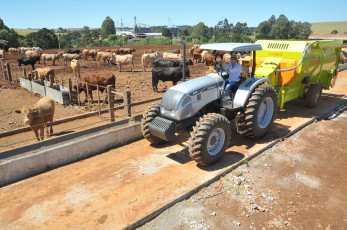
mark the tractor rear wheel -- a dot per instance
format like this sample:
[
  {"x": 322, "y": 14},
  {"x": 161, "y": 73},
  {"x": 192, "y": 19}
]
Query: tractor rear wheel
[
  {"x": 261, "y": 110},
  {"x": 152, "y": 112},
  {"x": 209, "y": 139},
  {"x": 313, "y": 95}
]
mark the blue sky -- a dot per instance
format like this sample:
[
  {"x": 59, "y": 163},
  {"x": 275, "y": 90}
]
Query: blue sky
[{"x": 76, "y": 14}]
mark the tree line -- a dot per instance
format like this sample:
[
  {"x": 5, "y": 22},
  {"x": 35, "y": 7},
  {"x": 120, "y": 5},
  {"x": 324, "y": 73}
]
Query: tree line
[{"x": 224, "y": 31}]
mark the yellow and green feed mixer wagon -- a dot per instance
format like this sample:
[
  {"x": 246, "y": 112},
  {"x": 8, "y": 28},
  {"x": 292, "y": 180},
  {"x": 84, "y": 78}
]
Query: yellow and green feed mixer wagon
[{"x": 297, "y": 69}]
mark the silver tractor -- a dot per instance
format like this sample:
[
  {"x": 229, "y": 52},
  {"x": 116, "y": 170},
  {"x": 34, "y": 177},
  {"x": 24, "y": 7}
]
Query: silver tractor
[{"x": 207, "y": 106}]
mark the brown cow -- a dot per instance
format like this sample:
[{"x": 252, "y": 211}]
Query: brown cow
[
  {"x": 126, "y": 50},
  {"x": 39, "y": 114},
  {"x": 101, "y": 79},
  {"x": 148, "y": 51},
  {"x": 220, "y": 53},
  {"x": 197, "y": 55},
  {"x": 209, "y": 59}
]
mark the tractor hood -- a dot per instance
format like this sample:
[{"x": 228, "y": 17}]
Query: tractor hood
[
  {"x": 196, "y": 85},
  {"x": 184, "y": 100}
]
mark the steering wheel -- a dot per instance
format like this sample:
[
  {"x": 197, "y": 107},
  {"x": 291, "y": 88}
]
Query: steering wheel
[{"x": 222, "y": 72}]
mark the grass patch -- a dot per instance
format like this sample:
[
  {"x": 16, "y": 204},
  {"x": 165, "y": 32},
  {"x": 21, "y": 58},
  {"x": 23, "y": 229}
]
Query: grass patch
[{"x": 327, "y": 27}]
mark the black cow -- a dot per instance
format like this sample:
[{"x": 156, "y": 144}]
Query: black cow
[
  {"x": 174, "y": 51},
  {"x": 70, "y": 51},
  {"x": 188, "y": 62},
  {"x": 28, "y": 61},
  {"x": 173, "y": 74},
  {"x": 166, "y": 63}
]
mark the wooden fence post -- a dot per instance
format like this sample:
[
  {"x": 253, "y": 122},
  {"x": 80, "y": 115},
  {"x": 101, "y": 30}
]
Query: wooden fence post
[
  {"x": 78, "y": 94},
  {"x": 9, "y": 72},
  {"x": 110, "y": 102},
  {"x": 97, "y": 89},
  {"x": 70, "y": 90},
  {"x": 4, "y": 68},
  {"x": 127, "y": 103},
  {"x": 51, "y": 80},
  {"x": 87, "y": 86}
]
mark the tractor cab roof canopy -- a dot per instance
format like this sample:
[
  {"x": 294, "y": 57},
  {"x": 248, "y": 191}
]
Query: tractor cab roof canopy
[{"x": 232, "y": 46}]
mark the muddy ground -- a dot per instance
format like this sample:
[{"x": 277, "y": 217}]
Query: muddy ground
[
  {"x": 300, "y": 183},
  {"x": 139, "y": 83}
]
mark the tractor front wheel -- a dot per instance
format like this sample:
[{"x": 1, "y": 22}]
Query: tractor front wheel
[
  {"x": 209, "y": 139},
  {"x": 152, "y": 112}
]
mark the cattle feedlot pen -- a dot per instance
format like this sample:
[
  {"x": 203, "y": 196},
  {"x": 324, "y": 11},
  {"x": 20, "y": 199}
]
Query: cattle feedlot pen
[{"x": 281, "y": 71}]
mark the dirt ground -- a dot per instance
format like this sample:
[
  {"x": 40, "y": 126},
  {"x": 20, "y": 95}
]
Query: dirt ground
[
  {"x": 139, "y": 83},
  {"x": 299, "y": 183}
]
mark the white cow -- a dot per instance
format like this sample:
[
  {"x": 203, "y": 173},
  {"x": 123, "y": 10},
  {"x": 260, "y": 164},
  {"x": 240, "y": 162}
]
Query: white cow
[
  {"x": 123, "y": 60},
  {"x": 148, "y": 59},
  {"x": 203, "y": 55},
  {"x": 76, "y": 67}
]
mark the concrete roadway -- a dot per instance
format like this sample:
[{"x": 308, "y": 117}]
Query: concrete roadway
[{"x": 127, "y": 185}]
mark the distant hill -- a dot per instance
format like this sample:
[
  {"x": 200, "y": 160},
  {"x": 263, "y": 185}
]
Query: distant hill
[
  {"x": 327, "y": 27},
  {"x": 317, "y": 28}
]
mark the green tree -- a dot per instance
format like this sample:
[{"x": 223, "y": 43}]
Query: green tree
[
  {"x": 281, "y": 28},
  {"x": 240, "y": 29},
  {"x": 334, "y": 32},
  {"x": 107, "y": 27},
  {"x": 224, "y": 27},
  {"x": 263, "y": 30},
  {"x": 166, "y": 33},
  {"x": 8, "y": 35},
  {"x": 304, "y": 30},
  {"x": 272, "y": 20},
  {"x": 85, "y": 30},
  {"x": 96, "y": 33},
  {"x": 200, "y": 29},
  {"x": 44, "y": 38}
]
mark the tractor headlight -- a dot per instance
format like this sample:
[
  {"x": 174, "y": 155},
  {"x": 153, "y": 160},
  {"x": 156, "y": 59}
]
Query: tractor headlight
[
  {"x": 162, "y": 110},
  {"x": 172, "y": 112}
]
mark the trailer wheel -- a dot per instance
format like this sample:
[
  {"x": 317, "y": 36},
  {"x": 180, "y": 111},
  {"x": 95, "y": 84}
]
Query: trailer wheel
[
  {"x": 313, "y": 95},
  {"x": 261, "y": 110},
  {"x": 209, "y": 138},
  {"x": 152, "y": 112}
]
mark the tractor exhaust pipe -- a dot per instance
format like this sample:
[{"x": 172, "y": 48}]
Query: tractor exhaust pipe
[{"x": 184, "y": 61}]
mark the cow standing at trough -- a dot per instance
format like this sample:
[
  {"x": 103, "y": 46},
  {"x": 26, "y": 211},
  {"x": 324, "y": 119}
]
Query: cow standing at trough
[
  {"x": 101, "y": 79},
  {"x": 173, "y": 74},
  {"x": 39, "y": 114},
  {"x": 148, "y": 59},
  {"x": 45, "y": 73}
]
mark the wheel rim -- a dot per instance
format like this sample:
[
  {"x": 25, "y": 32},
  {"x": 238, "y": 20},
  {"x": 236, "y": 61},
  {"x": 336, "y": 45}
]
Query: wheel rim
[
  {"x": 216, "y": 141},
  {"x": 266, "y": 111}
]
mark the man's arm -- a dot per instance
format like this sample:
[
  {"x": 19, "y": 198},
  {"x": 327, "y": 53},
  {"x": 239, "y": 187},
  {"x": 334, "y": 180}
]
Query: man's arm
[{"x": 236, "y": 69}]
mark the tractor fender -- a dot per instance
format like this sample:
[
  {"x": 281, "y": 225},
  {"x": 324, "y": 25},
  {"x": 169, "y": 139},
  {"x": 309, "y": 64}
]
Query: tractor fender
[{"x": 245, "y": 90}]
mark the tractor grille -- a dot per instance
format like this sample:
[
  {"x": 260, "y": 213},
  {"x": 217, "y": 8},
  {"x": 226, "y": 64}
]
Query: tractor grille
[{"x": 163, "y": 128}]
